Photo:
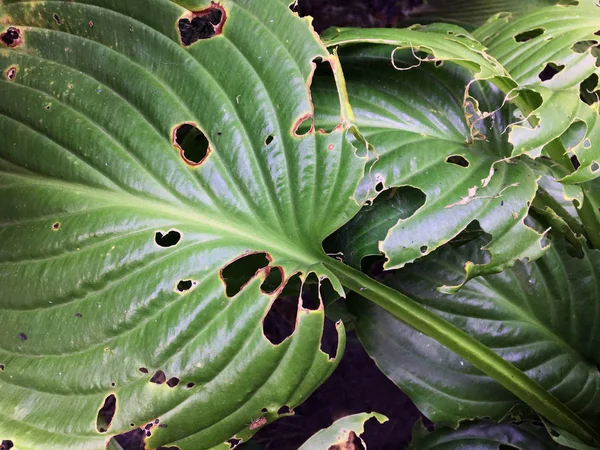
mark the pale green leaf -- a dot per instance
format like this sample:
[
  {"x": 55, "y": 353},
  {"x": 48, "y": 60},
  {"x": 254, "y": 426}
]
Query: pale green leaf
[{"x": 339, "y": 432}]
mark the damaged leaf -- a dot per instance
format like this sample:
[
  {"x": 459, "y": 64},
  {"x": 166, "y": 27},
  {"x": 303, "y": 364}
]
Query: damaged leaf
[
  {"x": 415, "y": 120},
  {"x": 341, "y": 431},
  {"x": 122, "y": 205},
  {"x": 541, "y": 316}
]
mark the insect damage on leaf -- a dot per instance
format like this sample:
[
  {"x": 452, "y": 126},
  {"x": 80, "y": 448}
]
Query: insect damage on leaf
[
  {"x": 11, "y": 37},
  {"x": 106, "y": 414},
  {"x": 204, "y": 24},
  {"x": 169, "y": 239},
  {"x": 11, "y": 73},
  {"x": 192, "y": 143}
]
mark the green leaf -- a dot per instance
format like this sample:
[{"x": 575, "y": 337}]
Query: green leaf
[
  {"x": 471, "y": 12},
  {"x": 551, "y": 36},
  {"x": 542, "y": 317},
  {"x": 483, "y": 435},
  {"x": 339, "y": 432},
  {"x": 103, "y": 214},
  {"x": 416, "y": 122}
]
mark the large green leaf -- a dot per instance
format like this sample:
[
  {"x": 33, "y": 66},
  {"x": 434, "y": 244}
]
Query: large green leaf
[
  {"x": 95, "y": 193},
  {"x": 416, "y": 122},
  {"x": 543, "y": 317},
  {"x": 484, "y": 435}
]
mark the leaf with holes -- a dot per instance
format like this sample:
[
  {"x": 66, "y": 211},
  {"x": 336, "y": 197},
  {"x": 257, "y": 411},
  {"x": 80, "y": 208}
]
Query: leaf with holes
[
  {"x": 543, "y": 317},
  {"x": 157, "y": 146},
  {"x": 484, "y": 435},
  {"x": 416, "y": 122},
  {"x": 558, "y": 42},
  {"x": 343, "y": 433}
]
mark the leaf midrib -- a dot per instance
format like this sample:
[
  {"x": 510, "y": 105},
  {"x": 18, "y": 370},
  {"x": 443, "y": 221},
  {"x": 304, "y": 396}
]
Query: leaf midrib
[{"x": 247, "y": 230}]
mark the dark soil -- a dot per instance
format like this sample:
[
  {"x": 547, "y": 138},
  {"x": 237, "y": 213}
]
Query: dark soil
[{"x": 356, "y": 386}]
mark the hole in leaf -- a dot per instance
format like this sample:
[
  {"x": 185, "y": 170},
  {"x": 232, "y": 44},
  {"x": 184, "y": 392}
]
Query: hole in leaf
[
  {"x": 439, "y": 63},
  {"x": 169, "y": 239},
  {"x": 575, "y": 162},
  {"x": 264, "y": 410},
  {"x": 303, "y": 125},
  {"x": 190, "y": 385},
  {"x": 329, "y": 340},
  {"x": 133, "y": 439},
  {"x": 106, "y": 414},
  {"x": 205, "y": 24},
  {"x": 283, "y": 410},
  {"x": 528, "y": 35},
  {"x": 458, "y": 160},
  {"x": 56, "y": 226},
  {"x": 587, "y": 143},
  {"x": 11, "y": 37},
  {"x": 56, "y": 19},
  {"x": 23, "y": 336},
  {"x": 550, "y": 71},
  {"x": 269, "y": 139},
  {"x": 234, "y": 442},
  {"x": 159, "y": 377},
  {"x": 79, "y": 315},
  {"x": 583, "y": 46},
  {"x": 184, "y": 285},
  {"x": 273, "y": 281},
  {"x": 310, "y": 293},
  {"x": 379, "y": 187},
  {"x": 507, "y": 447},
  {"x": 6, "y": 445},
  {"x": 240, "y": 271},
  {"x": 354, "y": 442},
  {"x": 587, "y": 90},
  {"x": 424, "y": 249},
  {"x": 280, "y": 321},
  {"x": 323, "y": 79},
  {"x": 594, "y": 166},
  {"x": 192, "y": 143},
  {"x": 173, "y": 382},
  {"x": 1, "y": 367},
  {"x": 11, "y": 74},
  {"x": 143, "y": 370}
]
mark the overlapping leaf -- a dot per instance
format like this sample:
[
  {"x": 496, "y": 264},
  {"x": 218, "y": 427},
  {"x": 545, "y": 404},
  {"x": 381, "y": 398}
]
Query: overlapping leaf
[
  {"x": 562, "y": 36},
  {"x": 484, "y": 435},
  {"x": 112, "y": 239},
  {"x": 543, "y": 317},
  {"x": 416, "y": 122}
]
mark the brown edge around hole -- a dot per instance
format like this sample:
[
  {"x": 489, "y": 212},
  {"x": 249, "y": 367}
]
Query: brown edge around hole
[
  {"x": 16, "y": 42},
  {"x": 191, "y": 15},
  {"x": 11, "y": 73},
  {"x": 279, "y": 288},
  {"x": 182, "y": 151},
  {"x": 257, "y": 273}
]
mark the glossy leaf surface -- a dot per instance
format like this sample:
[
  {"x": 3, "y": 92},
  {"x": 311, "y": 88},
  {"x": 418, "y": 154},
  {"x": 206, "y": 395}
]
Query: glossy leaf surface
[
  {"x": 484, "y": 435},
  {"x": 416, "y": 122},
  {"x": 543, "y": 317},
  {"x": 115, "y": 225}
]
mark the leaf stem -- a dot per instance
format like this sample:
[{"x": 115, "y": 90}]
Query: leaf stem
[{"x": 423, "y": 320}]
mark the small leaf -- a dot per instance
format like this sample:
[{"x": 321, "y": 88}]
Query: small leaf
[{"x": 341, "y": 431}]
